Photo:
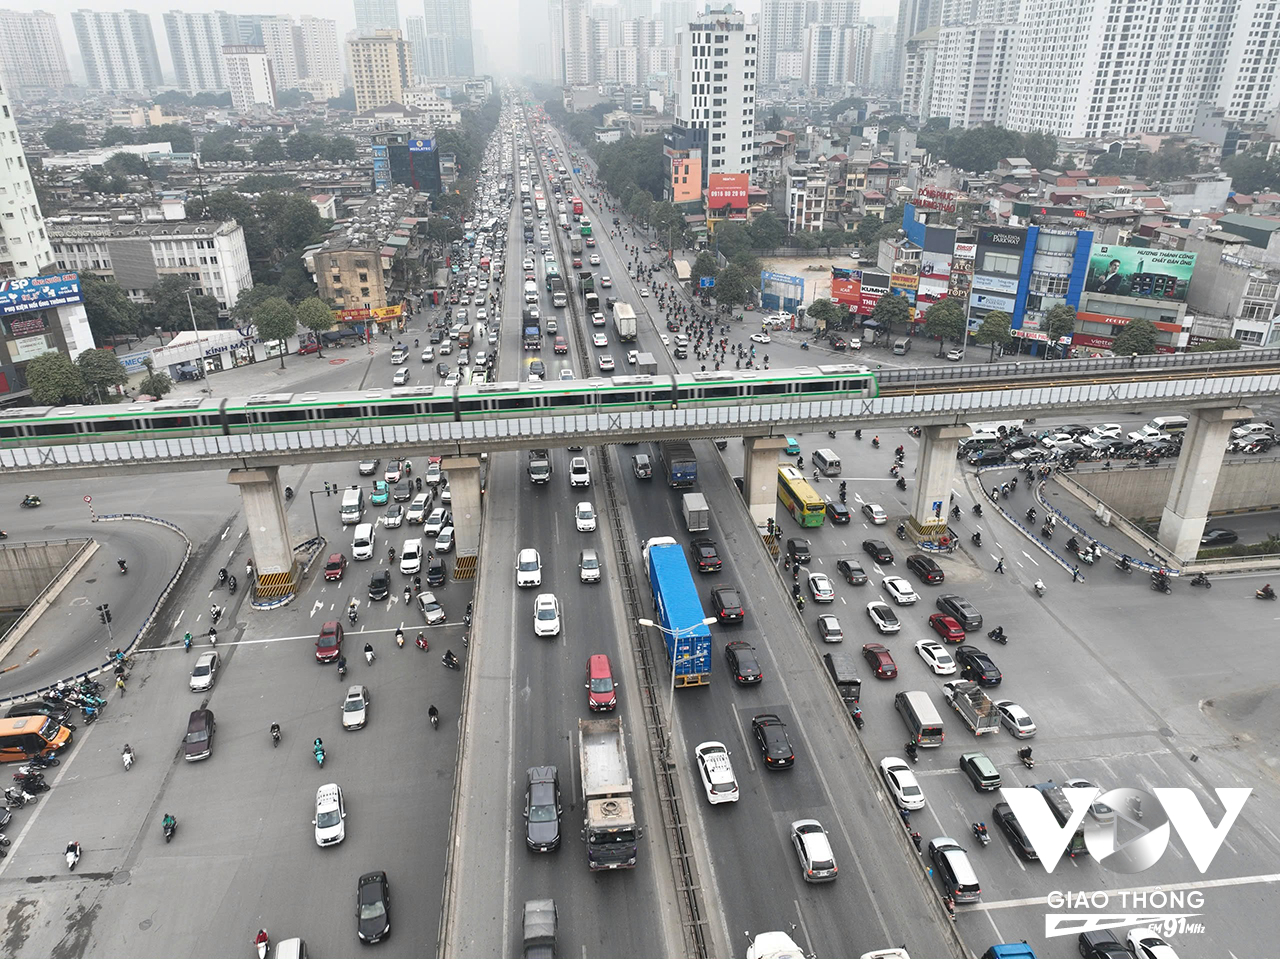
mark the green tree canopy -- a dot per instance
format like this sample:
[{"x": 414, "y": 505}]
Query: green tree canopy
[
  {"x": 177, "y": 135},
  {"x": 1219, "y": 345},
  {"x": 340, "y": 149},
  {"x": 249, "y": 300},
  {"x": 54, "y": 380},
  {"x": 868, "y": 233},
  {"x": 1136, "y": 336},
  {"x": 344, "y": 101},
  {"x": 129, "y": 164},
  {"x": 767, "y": 231},
  {"x": 304, "y": 146},
  {"x": 268, "y": 150},
  {"x": 827, "y": 312},
  {"x": 946, "y": 320},
  {"x": 1041, "y": 149},
  {"x": 733, "y": 286},
  {"x": 168, "y": 307},
  {"x": 314, "y": 315},
  {"x": 155, "y": 384},
  {"x": 1060, "y": 321},
  {"x": 110, "y": 312},
  {"x": 890, "y": 309},
  {"x": 995, "y": 330},
  {"x": 113, "y": 135},
  {"x": 1252, "y": 172},
  {"x": 219, "y": 146},
  {"x": 892, "y": 221},
  {"x": 276, "y": 320},
  {"x": 704, "y": 265},
  {"x": 99, "y": 371},
  {"x": 65, "y": 137}
]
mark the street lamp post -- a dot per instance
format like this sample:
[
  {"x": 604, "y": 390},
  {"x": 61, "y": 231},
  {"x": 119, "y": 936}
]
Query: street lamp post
[{"x": 675, "y": 635}]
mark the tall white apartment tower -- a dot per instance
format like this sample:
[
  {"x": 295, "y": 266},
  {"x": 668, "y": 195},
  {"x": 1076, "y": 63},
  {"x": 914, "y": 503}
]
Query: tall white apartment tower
[
  {"x": 576, "y": 40},
  {"x": 716, "y": 90},
  {"x": 25, "y": 249},
  {"x": 972, "y": 68},
  {"x": 31, "y": 56},
  {"x": 250, "y": 76},
  {"x": 319, "y": 59},
  {"x": 373, "y": 15},
  {"x": 118, "y": 50},
  {"x": 195, "y": 43},
  {"x": 1250, "y": 84}
]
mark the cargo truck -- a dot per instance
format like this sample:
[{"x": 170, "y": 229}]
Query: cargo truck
[
  {"x": 575, "y": 247},
  {"x": 586, "y": 282},
  {"x": 697, "y": 515},
  {"x": 646, "y": 364},
  {"x": 624, "y": 322},
  {"x": 558, "y": 295},
  {"x": 532, "y": 324},
  {"x": 679, "y": 465},
  {"x": 974, "y": 706},
  {"x": 609, "y": 822},
  {"x": 540, "y": 929},
  {"x": 775, "y": 945},
  {"x": 539, "y": 466},
  {"x": 591, "y": 303},
  {"x": 678, "y": 611}
]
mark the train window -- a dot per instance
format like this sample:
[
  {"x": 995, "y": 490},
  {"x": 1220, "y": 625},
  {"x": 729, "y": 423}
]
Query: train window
[
  {"x": 169, "y": 422},
  {"x": 765, "y": 389},
  {"x": 471, "y": 406},
  {"x": 395, "y": 409},
  {"x": 819, "y": 386},
  {"x": 105, "y": 426},
  {"x": 9, "y": 432},
  {"x": 510, "y": 403},
  {"x": 623, "y": 399},
  {"x": 54, "y": 429},
  {"x": 571, "y": 399},
  {"x": 341, "y": 413},
  {"x": 719, "y": 392},
  {"x": 237, "y": 419},
  {"x": 282, "y": 416}
]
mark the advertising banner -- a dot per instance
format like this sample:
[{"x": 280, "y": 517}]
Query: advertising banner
[
  {"x": 387, "y": 312},
  {"x": 352, "y": 316},
  {"x": 1000, "y": 284},
  {"x": 28, "y": 348},
  {"x": 727, "y": 195},
  {"x": 904, "y": 281},
  {"x": 930, "y": 292},
  {"x": 931, "y": 198},
  {"x": 26, "y": 324},
  {"x": 424, "y": 145},
  {"x": 1085, "y": 316},
  {"x": 39, "y": 292},
  {"x": 874, "y": 286},
  {"x": 846, "y": 292},
  {"x": 1144, "y": 273},
  {"x": 1012, "y": 241},
  {"x": 991, "y": 301},
  {"x": 966, "y": 251}
]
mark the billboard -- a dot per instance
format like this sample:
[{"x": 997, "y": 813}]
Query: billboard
[
  {"x": 1144, "y": 273},
  {"x": 780, "y": 291},
  {"x": 39, "y": 292},
  {"x": 421, "y": 145},
  {"x": 727, "y": 195},
  {"x": 847, "y": 292}
]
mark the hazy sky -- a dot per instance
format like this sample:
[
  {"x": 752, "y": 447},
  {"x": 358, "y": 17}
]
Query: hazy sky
[{"x": 496, "y": 18}]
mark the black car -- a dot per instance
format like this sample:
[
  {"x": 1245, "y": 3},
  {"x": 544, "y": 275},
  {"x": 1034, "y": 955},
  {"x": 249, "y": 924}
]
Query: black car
[
  {"x": 542, "y": 809},
  {"x": 771, "y": 734},
  {"x": 852, "y": 571},
  {"x": 977, "y": 666},
  {"x": 798, "y": 550},
  {"x": 537, "y": 368},
  {"x": 436, "y": 336},
  {"x": 435, "y": 571},
  {"x": 1218, "y": 537},
  {"x": 1101, "y": 944},
  {"x": 926, "y": 567},
  {"x": 1018, "y": 443},
  {"x": 961, "y": 610},
  {"x": 1003, "y": 815},
  {"x": 743, "y": 663},
  {"x": 704, "y": 551},
  {"x": 838, "y": 513},
  {"x": 373, "y": 907},
  {"x": 726, "y": 605},
  {"x": 989, "y": 457},
  {"x": 443, "y": 369},
  {"x": 380, "y": 584},
  {"x": 402, "y": 491},
  {"x": 878, "y": 550}
]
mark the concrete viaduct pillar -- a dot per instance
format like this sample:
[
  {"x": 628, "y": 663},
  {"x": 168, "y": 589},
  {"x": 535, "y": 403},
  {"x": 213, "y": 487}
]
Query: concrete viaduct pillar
[
  {"x": 465, "y": 493},
  {"x": 275, "y": 570},
  {"x": 1194, "y": 477},
  {"x": 760, "y": 476},
  {"x": 935, "y": 477}
]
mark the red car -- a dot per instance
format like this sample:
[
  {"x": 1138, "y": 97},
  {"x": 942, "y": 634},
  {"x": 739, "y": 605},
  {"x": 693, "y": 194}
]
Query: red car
[
  {"x": 946, "y": 627},
  {"x": 329, "y": 642},
  {"x": 335, "y": 566},
  {"x": 561, "y": 345},
  {"x": 602, "y": 691},
  {"x": 305, "y": 348},
  {"x": 880, "y": 660}
]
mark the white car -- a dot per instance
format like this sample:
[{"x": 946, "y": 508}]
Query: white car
[
  {"x": 452, "y": 380},
  {"x": 394, "y": 517},
  {"x": 579, "y": 472},
  {"x": 882, "y": 614},
  {"x": 644, "y": 292},
  {"x": 899, "y": 590},
  {"x": 666, "y": 340},
  {"x": 1099, "y": 811},
  {"x": 546, "y": 615},
  {"x": 1054, "y": 440},
  {"x": 953, "y": 355},
  {"x": 433, "y": 474},
  {"x": 433, "y": 613},
  {"x": 444, "y": 542},
  {"x": 411, "y": 557},
  {"x": 606, "y": 282},
  {"x": 599, "y": 339},
  {"x": 528, "y": 568},
  {"x": 760, "y": 338},
  {"x": 417, "y": 512},
  {"x": 606, "y": 363},
  {"x": 528, "y": 263},
  {"x": 566, "y": 375},
  {"x": 205, "y": 672},
  {"x": 1145, "y": 944},
  {"x": 712, "y": 759},
  {"x": 401, "y": 378},
  {"x": 829, "y": 629},
  {"x": 428, "y": 354},
  {"x": 584, "y": 516},
  {"x": 875, "y": 513},
  {"x": 817, "y": 861},
  {"x": 1112, "y": 431},
  {"x": 355, "y": 707},
  {"x": 821, "y": 588},
  {"x": 1148, "y": 434},
  {"x": 633, "y": 356},
  {"x": 438, "y": 520},
  {"x": 902, "y": 783},
  {"x": 1015, "y": 719},
  {"x": 936, "y": 657},
  {"x": 1248, "y": 431},
  {"x": 331, "y": 811},
  {"x": 595, "y": 259}
]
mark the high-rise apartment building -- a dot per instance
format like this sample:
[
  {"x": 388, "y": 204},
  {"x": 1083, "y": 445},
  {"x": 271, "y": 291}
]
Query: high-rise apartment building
[
  {"x": 24, "y": 246},
  {"x": 917, "y": 57},
  {"x": 675, "y": 15},
  {"x": 118, "y": 50},
  {"x": 195, "y": 43},
  {"x": 1250, "y": 84},
  {"x": 31, "y": 56},
  {"x": 250, "y": 76},
  {"x": 575, "y": 68},
  {"x": 828, "y": 57},
  {"x": 914, "y": 17},
  {"x": 278, "y": 36},
  {"x": 555, "y": 25},
  {"x": 415, "y": 34},
  {"x": 381, "y": 68},
  {"x": 319, "y": 62},
  {"x": 783, "y": 31},
  {"x": 452, "y": 20},
  {"x": 375, "y": 15},
  {"x": 716, "y": 91},
  {"x": 972, "y": 67}
]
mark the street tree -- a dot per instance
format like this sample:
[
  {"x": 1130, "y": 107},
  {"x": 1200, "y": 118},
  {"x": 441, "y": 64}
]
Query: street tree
[
  {"x": 155, "y": 384},
  {"x": 65, "y": 137},
  {"x": 1059, "y": 322},
  {"x": 247, "y": 303},
  {"x": 704, "y": 265},
  {"x": 945, "y": 320},
  {"x": 314, "y": 314},
  {"x": 733, "y": 286},
  {"x": 276, "y": 320},
  {"x": 100, "y": 370},
  {"x": 169, "y": 310},
  {"x": 868, "y": 232},
  {"x": 995, "y": 330},
  {"x": 767, "y": 231},
  {"x": 1222, "y": 344},
  {"x": 54, "y": 380},
  {"x": 890, "y": 309},
  {"x": 268, "y": 150},
  {"x": 1137, "y": 336},
  {"x": 110, "y": 312}
]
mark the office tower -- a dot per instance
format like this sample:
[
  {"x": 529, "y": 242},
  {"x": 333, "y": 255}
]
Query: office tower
[
  {"x": 319, "y": 62},
  {"x": 381, "y": 68},
  {"x": 195, "y": 43},
  {"x": 576, "y": 33},
  {"x": 250, "y": 76},
  {"x": 972, "y": 69},
  {"x": 31, "y": 56},
  {"x": 452, "y": 20},
  {"x": 828, "y": 56},
  {"x": 716, "y": 95},
  {"x": 118, "y": 50},
  {"x": 374, "y": 15}
]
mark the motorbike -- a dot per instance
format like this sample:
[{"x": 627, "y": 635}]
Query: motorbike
[
  {"x": 857, "y": 434},
  {"x": 449, "y": 659},
  {"x": 39, "y": 762},
  {"x": 1086, "y": 556},
  {"x": 186, "y": 643},
  {"x": 170, "y": 826},
  {"x": 843, "y": 496},
  {"x": 215, "y": 613},
  {"x": 955, "y": 512},
  {"x": 804, "y": 345},
  {"x": 466, "y": 617},
  {"x": 1124, "y": 565},
  {"x": 318, "y": 750},
  {"x": 30, "y": 502},
  {"x": 433, "y": 714},
  {"x": 16, "y": 797},
  {"x": 124, "y": 567},
  {"x": 222, "y": 576},
  {"x": 980, "y": 833},
  {"x": 400, "y": 637},
  {"x": 894, "y": 469},
  {"x": 1200, "y": 579},
  {"x": 831, "y": 433},
  {"x": 976, "y": 538},
  {"x": 91, "y": 714},
  {"x": 913, "y": 752},
  {"x": 1160, "y": 583},
  {"x": 73, "y": 855},
  {"x": 262, "y": 942},
  {"x": 875, "y": 442},
  {"x": 997, "y": 635},
  {"x": 3, "y": 534},
  {"x": 127, "y": 756},
  {"x": 901, "y": 531},
  {"x": 288, "y": 492},
  {"x": 1046, "y": 531},
  {"x": 1025, "y": 755},
  {"x": 352, "y": 614},
  {"x": 857, "y": 716},
  {"x": 902, "y": 483},
  {"x": 275, "y": 735},
  {"x": 977, "y": 509},
  {"x": 1040, "y": 587},
  {"x": 1265, "y": 593},
  {"x": 231, "y": 585},
  {"x": 368, "y": 653},
  {"x": 342, "y": 669}
]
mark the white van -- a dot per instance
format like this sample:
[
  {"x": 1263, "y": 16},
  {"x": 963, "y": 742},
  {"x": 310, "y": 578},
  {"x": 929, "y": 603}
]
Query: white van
[
  {"x": 362, "y": 542},
  {"x": 352, "y": 505},
  {"x": 827, "y": 462},
  {"x": 1170, "y": 424}
]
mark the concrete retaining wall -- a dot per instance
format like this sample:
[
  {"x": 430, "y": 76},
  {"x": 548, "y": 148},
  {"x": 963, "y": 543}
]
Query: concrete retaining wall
[
  {"x": 1141, "y": 493},
  {"x": 27, "y": 568}
]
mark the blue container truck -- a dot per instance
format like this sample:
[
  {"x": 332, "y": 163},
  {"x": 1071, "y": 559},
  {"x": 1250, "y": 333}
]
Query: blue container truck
[
  {"x": 679, "y": 465},
  {"x": 678, "y": 611}
]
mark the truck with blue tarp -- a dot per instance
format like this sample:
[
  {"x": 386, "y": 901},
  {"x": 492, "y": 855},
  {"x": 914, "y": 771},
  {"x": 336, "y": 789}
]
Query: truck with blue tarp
[
  {"x": 678, "y": 611},
  {"x": 679, "y": 464}
]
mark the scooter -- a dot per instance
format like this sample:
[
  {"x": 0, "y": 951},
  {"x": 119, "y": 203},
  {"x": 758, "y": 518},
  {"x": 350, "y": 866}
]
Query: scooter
[
  {"x": 275, "y": 735},
  {"x": 1040, "y": 587},
  {"x": 170, "y": 826},
  {"x": 980, "y": 833},
  {"x": 127, "y": 756},
  {"x": 902, "y": 531},
  {"x": 73, "y": 855},
  {"x": 1265, "y": 593},
  {"x": 400, "y": 636},
  {"x": 1161, "y": 584},
  {"x": 902, "y": 483},
  {"x": 319, "y": 754},
  {"x": 1124, "y": 566},
  {"x": 1200, "y": 579},
  {"x": 262, "y": 942},
  {"x": 124, "y": 567},
  {"x": 450, "y": 660},
  {"x": 997, "y": 635},
  {"x": 857, "y": 716},
  {"x": 231, "y": 585},
  {"x": 466, "y": 617},
  {"x": 977, "y": 509},
  {"x": 913, "y": 752},
  {"x": 1025, "y": 755},
  {"x": 976, "y": 538}
]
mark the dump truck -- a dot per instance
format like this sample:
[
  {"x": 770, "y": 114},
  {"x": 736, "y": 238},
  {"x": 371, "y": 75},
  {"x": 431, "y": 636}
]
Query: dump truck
[
  {"x": 624, "y": 322},
  {"x": 540, "y": 929},
  {"x": 609, "y": 823},
  {"x": 591, "y": 303},
  {"x": 974, "y": 706},
  {"x": 586, "y": 282},
  {"x": 539, "y": 466},
  {"x": 678, "y": 611},
  {"x": 697, "y": 515}
]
